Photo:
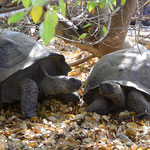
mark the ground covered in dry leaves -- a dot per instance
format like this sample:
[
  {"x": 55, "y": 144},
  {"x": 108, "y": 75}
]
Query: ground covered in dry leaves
[{"x": 69, "y": 127}]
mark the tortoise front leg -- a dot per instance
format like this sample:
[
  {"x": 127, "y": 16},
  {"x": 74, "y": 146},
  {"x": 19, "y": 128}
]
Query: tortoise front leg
[
  {"x": 66, "y": 98},
  {"x": 29, "y": 98},
  {"x": 137, "y": 102},
  {"x": 114, "y": 92},
  {"x": 100, "y": 106}
]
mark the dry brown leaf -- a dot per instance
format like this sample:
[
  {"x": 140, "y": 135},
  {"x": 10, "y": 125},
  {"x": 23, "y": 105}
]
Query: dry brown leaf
[
  {"x": 132, "y": 125},
  {"x": 69, "y": 126},
  {"x": 134, "y": 147},
  {"x": 131, "y": 132},
  {"x": 142, "y": 148},
  {"x": 34, "y": 119},
  {"x": 33, "y": 144},
  {"x": 106, "y": 118},
  {"x": 148, "y": 45}
]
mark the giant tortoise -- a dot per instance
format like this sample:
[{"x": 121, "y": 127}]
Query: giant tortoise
[
  {"x": 28, "y": 71},
  {"x": 120, "y": 80}
]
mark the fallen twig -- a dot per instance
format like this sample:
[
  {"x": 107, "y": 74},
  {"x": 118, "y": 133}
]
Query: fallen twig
[
  {"x": 139, "y": 116},
  {"x": 81, "y": 60}
]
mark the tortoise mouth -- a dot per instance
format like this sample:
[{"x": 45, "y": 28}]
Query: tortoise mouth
[
  {"x": 105, "y": 88},
  {"x": 75, "y": 84},
  {"x": 78, "y": 85}
]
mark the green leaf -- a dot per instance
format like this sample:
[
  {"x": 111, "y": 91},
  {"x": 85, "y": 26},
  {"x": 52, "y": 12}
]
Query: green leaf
[
  {"x": 62, "y": 6},
  {"x": 87, "y": 25},
  {"x": 91, "y": 5},
  {"x": 76, "y": 3},
  {"x": 26, "y": 3},
  {"x": 37, "y": 3},
  {"x": 51, "y": 17},
  {"x": 47, "y": 28},
  {"x": 16, "y": 17},
  {"x": 102, "y": 3},
  {"x": 104, "y": 29},
  {"x": 113, "y": 2},
  {"x": 82, "y": 36},
  {"x": 56, "y": 8},
  {"x": 18, "y": 2},
  {"x": 110, "y": 6},
  {"x": 47, "y": 31},
  {"x": 123, "y": 2}
]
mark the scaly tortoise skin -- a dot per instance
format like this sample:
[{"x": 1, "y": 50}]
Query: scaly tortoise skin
[
  {"x": 120, "y": 80},
  {"x": 28, "y": 71}
]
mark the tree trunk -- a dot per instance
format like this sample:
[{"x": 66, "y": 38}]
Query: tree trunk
[{"x": 115, "y": 39}]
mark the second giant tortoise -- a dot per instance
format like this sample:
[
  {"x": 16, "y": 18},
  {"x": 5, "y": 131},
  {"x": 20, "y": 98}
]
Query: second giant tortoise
[
  {"x": 28, "y": 71},
  {"x": 120, "y": 80}
]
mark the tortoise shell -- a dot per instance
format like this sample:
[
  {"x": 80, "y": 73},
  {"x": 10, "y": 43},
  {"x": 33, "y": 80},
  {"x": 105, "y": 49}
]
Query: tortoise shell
[
  {"x": 128, "y": 67},
  {"x": 18, "y": 51}
]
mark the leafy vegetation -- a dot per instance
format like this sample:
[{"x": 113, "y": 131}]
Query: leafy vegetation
[{"x": 47, "y": 27}]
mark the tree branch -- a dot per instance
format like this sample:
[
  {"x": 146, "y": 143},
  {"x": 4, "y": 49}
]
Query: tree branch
[
  {"x": 6, "y": 10},
  {"x": 81, "y": 60}
]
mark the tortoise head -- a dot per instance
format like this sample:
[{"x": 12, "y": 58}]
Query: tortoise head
[
  {"x": 52, "y": 85},
  {"x": 58, "y": 60},
  {"x": 55, "y": 79}
]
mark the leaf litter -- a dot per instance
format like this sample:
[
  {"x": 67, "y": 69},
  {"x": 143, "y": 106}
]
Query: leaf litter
[{"x": 70, "y": 127}]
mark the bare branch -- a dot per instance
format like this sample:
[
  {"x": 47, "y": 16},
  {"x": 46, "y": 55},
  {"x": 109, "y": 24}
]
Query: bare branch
[
  {"x": 81, "y": 60},
  {"x": 81, "y": 18},
  {"x": 6, "y": 12}
]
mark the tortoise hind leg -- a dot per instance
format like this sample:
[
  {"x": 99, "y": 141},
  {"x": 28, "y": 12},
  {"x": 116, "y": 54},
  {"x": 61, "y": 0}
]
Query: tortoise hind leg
[
  {"x": 100, "y": 106},
  {"x": 29, "y": 98},
  {"x": 137, "y": 102}
]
